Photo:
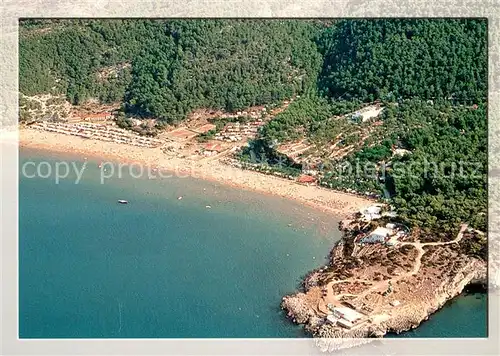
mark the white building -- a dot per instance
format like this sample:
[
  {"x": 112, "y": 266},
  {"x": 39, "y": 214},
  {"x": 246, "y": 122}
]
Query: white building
[
  {"x": 371, "y": 213},
  {"x": 382, "y": 232},
  {"x": 378, "y": 235},
  {"x": 365, "y": 114},
  {"x": 345, "y": 323},
  {"x": 333, "y": 320},
  {"x": 395, "y": 303},
  {"x": 347, "y": 314}
]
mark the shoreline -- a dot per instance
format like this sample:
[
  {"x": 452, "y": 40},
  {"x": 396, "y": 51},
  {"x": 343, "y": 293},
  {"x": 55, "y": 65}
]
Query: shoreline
[
  {"x": 406, "y": 295},
  {"x": 337, "y": 203},
  {"x": 341, "y": 205}
]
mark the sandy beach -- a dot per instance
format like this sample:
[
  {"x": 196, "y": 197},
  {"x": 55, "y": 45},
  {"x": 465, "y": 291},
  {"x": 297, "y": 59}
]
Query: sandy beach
[{"x": 339, "y": 203}]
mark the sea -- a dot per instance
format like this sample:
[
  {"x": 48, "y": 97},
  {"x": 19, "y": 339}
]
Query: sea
[{"x": 185, "y": 258}]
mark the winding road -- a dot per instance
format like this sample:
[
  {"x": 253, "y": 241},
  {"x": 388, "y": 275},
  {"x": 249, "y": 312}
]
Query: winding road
[{"x": 384, "y": 284}]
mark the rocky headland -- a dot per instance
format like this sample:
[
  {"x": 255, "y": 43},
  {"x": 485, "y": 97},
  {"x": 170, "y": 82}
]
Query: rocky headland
[{"x": 368, "y": 289}]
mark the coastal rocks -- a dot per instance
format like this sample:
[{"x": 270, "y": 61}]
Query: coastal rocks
[
  {"x": 297, "y": 308},
  {"x": 312, "y": 280},
  {"x": 473, "y": 271},
  {"x": 407, "y": 321},
  {"x": 421, "y": 283},
  {"x": 327, "y": 331}
]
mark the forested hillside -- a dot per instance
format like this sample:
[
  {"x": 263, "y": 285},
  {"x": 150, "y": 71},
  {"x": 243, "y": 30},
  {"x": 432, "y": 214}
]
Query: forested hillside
[
  {"x": 230, "y": 65},
  {"x": 66, "y": 57},
  {"x": 309, "y": 116},
  {"x": 442, "y": 179},
  {"x": 176, "y": 65},
  {"x": 389, "y": 60},
  {"x": 430, "y": 75},
  {"x": 407, "y": 58}
]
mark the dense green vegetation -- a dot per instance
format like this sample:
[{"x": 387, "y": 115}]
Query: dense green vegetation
[
  {"x": 405, "y": 58},
  {"x": 308, "y": 116},
  {"x": 442, "y": 181},
  {"x": 426, "y": 72},
  {"x": 446, "y": 175},
  {"x": 224, "y": 64},
  {"x": 262, "y": 157},
  {"x": 67, "y": 57},
  {"x": 363, "y": 171},
  {"x": 422, "y": 70},
  {"x": 176, "y": 65}
]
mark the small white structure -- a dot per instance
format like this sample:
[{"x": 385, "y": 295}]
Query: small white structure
[
  {"x": 371, "y": 213},
  {"x": 395, "y": 303},
  {"x": 401, "y": 152},
  {"x": 345, "y": 323},
  {"x": 382, "y": 232},
  {"x": 391, "y": 214},
  {"x": 365, "y": 114},
  {"x": 347, "y": 314},
  {"x": 331, "y": 319},
  {"x": 390, "y": 226},
  {"x": 378, "y": 235}
]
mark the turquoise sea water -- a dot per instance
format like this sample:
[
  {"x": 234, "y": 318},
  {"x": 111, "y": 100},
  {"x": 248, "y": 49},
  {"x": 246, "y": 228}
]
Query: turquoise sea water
[
  {"x": 463, "y": 316},
  {"x": 160, "y": 267}
]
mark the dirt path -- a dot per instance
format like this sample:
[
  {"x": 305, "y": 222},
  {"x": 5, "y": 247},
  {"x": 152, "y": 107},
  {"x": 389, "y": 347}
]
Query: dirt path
[
  {"x": 420, "y": 247},
  {"x": 385, "y": 284},
  {"x": 351, "y": 280}
]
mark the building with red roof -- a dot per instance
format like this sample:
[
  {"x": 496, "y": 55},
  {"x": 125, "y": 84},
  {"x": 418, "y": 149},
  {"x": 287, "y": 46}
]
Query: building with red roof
[
  {"x": 306, "y": 179},
  {"x": 213, "y": 146}
]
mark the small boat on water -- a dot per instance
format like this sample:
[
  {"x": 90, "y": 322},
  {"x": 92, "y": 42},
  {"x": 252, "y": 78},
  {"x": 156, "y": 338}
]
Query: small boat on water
[{"x": 122, "y": 201}]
